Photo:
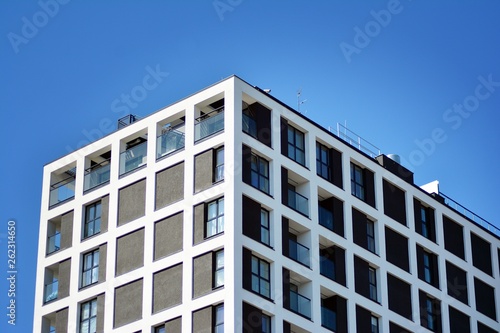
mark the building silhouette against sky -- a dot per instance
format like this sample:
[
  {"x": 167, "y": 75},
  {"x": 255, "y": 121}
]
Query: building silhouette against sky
[{"x": 229, "y": 211}]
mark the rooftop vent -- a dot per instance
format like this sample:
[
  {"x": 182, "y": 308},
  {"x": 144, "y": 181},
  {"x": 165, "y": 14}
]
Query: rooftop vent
[{"x": 127, "y": 120}]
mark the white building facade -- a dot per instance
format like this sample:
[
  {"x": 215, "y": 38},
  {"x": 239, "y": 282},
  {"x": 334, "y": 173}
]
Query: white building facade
[{"x": 229, "y": 211}]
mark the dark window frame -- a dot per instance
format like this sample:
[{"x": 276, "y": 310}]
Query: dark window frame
[
  {"x": 218, "y": 269},
  {"x": 262, "y": 176},
  {"x": 295, "y": 138},
  {"x": 370, "y": 236},
  {"x": 372, "y": 280},
  {"x": 218, "y": 173},
  {"x": 92, "y": 317},
  {"x": 94, "y": 267},
  {"x": 260, "y": 277},
  {"x": 265, "y": 230},
  {"x": 209, "y": 220},
  {"x": 323, "y": 152},
  {"x": 358, "y": 182},
  {"x": 218, "y": 322},
  {"x": 94, "y": 209}
]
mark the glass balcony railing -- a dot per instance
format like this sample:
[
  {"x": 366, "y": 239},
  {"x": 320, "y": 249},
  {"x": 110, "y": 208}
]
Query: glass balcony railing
[
  {"x": 54, "y": 243},
  {"x": 325, "y": 218},
  {"x": 169, "y": 142},
  {"x": 298, "y": 252},
  {"x": 62, "y": 191},
  {"x": 328, "y": 318},
  {"x": 133, "y": 158},
  {"x": 51, "y": 291},
  {"x": 300, "y": 304},
  {"x": 96, "y": 175},
  {"x": 298, "y": 202},
  {"x": 209, "y": 124},
  {"x": 249, "y": 125}
]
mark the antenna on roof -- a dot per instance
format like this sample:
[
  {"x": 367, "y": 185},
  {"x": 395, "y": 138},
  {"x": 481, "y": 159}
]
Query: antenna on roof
[{"x": 299, "y": 102}]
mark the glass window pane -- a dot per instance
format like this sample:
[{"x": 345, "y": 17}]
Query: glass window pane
[
  {"x": 98, "y": 210},
  {"x": 212, "y": 210},
  {"x": 264, "y": 269},
  {"x": 264, "y": 288},
  {"x": 219, "y": 261},
  {"x": 255, "y": 265},
  {"x": 221, "y": 206},
  {"x": 85, "y": 310}
]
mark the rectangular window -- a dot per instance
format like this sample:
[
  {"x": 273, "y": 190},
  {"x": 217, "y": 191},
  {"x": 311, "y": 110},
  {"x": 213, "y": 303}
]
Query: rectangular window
[
  {"x": 323, "y": 161},
  {"x": 374, "y": 324},
  {"x": 261, "y": 281},
  {"x": 296, "y": 145},
  {"x": 266, "y": 324},
  {"x": 92, "y": 220},
  {"x": 215, "y": 218},
  {"x": 265, "y": 235},
  {"x": 430, "y": 314},
  {"x": 372, "y": 279},
  {"x": 357, "y": 182},
  {"x": 219, "y": 165},
  {"x": 259, "y": 173},
  {"x": 249, "y": 122},
  {"x": 427, "y": 268},
  {"x": 370, "y": 235},
  {"x": 219, "y": 269},
  {"x": 160, "y": 329},
  {"x": 424, "y": 220},
  {"x": 219, "y": 319},
  {"x": 90, "y": 269},
  {"x": 88, "y": 316}
]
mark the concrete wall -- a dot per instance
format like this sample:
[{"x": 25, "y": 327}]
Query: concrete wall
[
  {"x": 131, "y": 202},
  {"x": 199, "y": 224},
  {"x": 128, "y": 303},
  {"x": 62, "y": 320},
  {"x": 167, "y": 288},
  {"x": 130, "y": 252},
  {"x": 104, "y": 213},
  {"x": 103, "y": 250},
  {"x": 169, "y": 185},
  {"x": 202, "y": 274},
  {"x": 168, "y": 236},
  {"x": 203, "y": 170},
  {"x": 64, "y": 279},
  {"x": 202, "y": 320},
  {"x": 67, "y": 230}
]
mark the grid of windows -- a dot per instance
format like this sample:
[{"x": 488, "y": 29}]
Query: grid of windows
[
  {"x": 357, "y": 182},
  {"x": 261, "y": 280},
  {"x": 219, "y": 269},
  {"x": 296, "y": 145},
  {"x": 322, "y": 161},
  {"x": 219, "y": 319},
  {"x": 90, "y": 268},
  {"x": 92, "y": 220},
  {"x": 88, "y": 316},
  {"x": 265, "y": 234},
  {"x": 259, "y": 173},
  {"x": 215, "y": 218},
  {"x": 372, "y": 279},
  {"x": 219, "y": 165}
]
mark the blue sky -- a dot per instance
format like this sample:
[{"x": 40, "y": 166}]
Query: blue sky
[{"x": 416, "y": 78}]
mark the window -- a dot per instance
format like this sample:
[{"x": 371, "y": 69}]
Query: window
[
  {"x": 259, "y": 173},
  {"x": 92, "y": 220},
  {"x": 265, "y": 235},
  {"x": 219, "y": 319},
  {"x": 90, "y": 269},
  {"x": 160, "y": 329},
  {"x": 370, "y": 235},
  {"x": 296, "y": 145},
  {"x": 374, "y": 324},
  {"x": 249, "y": 122},
  {"x": 430, "y": 314},
  {"x": 424, "y": 220},
  {"x": 261, "y": 282},
  {"x": 327, "y": 263},
  {"x": 266, "y": 324},
  {"x": 357, "y": 182},
  {"x": 88, "y": 316},
  {"x": 215, "y": 218},
  {"x": 219, "y": 269},
  {"x": 372, "y": 279},
  {"x": 427, "y": 267},
  {"x": 219, "y": 165},
  {"x": 323, "y": 161}
]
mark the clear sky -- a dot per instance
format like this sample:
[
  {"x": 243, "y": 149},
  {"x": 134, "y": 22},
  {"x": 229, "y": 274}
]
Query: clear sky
[{"x": 416, "y": 78}]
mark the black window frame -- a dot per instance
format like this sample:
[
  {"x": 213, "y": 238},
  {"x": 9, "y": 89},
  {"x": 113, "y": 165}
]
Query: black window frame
[
  {"x": 355, "y": 184},
  {"x": 372, "y": 281},
  {"x": 258, "y": 275},
  {"x": 255, "y": 171},
  {"x": 92, "y": 317},
  {"x": 217, "y": 269},
  {"x": 218, "y": 171},
  {"x": 90, "y": 270},
  {"x": 323, "y": 151},
  {"x": 292, "y": 146},
  {"x": 88, "y": 220},
  {"x": 217, "y": 323},
  {"x": 370, "y": 236},
  {"x": 265, "y": 230},
  {"x": 218, "y": 216},
  {"x": 374, "y": 327}
]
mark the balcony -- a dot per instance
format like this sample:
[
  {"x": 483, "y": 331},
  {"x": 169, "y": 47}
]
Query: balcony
[
  {"x": 62, "y": 191},
  {"x": 325, "y": 218},
  {"x": 249, "y": 125},
  {"x": 133, "y": 158},
  {"x": 298, "y": 202},
  {"x": 50, "y": 291},
  {"x": 298, "y": 252},
  {"x": 170, "y": 141},
  {"x": 300, "y": 304},
  {"x": 96, "y": 175},
  {"x": 328, "y": 319},
  {"x": 54, "y": 243},
  {"x": 209, "y": 124}
]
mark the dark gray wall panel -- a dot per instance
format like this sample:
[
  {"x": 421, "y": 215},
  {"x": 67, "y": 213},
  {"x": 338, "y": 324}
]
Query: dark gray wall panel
[
  {"x": 131, "y": 202},
  {"x": 66, "y": 230},
  {"x": 64, "y": 279},
  {"x": 167, "y": 288},
  {"x": 202, "y": 320},
  {"x": 130, "y": 252},
  {"x": 168, "y": 236},
  {"x": 202, "y": 274},
  {"x": 62, "y": 320},
  {"x": 128, "y": 303},
  {"x": 203, "y": 171},
  {"x": 169, "y": 186}
]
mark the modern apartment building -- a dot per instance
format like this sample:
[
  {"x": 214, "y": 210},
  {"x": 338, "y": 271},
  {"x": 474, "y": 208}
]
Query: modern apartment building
[{"x": 229, "y": 211}]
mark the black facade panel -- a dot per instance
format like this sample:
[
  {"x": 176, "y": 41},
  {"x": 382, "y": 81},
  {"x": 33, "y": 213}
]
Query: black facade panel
[
  {"x": 399, "y": 294},
  {"x": 251, "y": 218},
  {"x": 338, "y": 216},
  {"x": 336, "y": 167},
  {"x": 263, "y": 120},
  {"x": 369, "y": 187},
  {"x": 456, "y": 280},
  {"x": 285, "y": 244},
  {"x": 286, "y": 288},
  {"x": 485, "y": 299},
  {"x": 393, "y": 328},
  {"x": 246, "y": 167},
  {"x": 340, "y": 266},
  {"x": 481, "y": 254},
  {"x": 341, "y": 308},
  {"x": 396, "y": 247},
  {"x": 361, "y": 277},
  {"x": 481, "y": 328},
  {"x": 394, "y": 202},
  {"x": 284, "y": 136},
  {"x": 453, "y": 237},
  {"x": 363, "y": 320},
  {"x": 252, "y": 319},
  {"x": 359, "y": 228},
  {"x": 395, "y": 168},
  {"x": 284, "y": 186},
  {"x": 247, "y": 269},
  {"x": 287, "y": 327},
  {"x": 416, "y": 214},
  {"x": 459, "y": 322},
  {"x": 432, "y": 224}
]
